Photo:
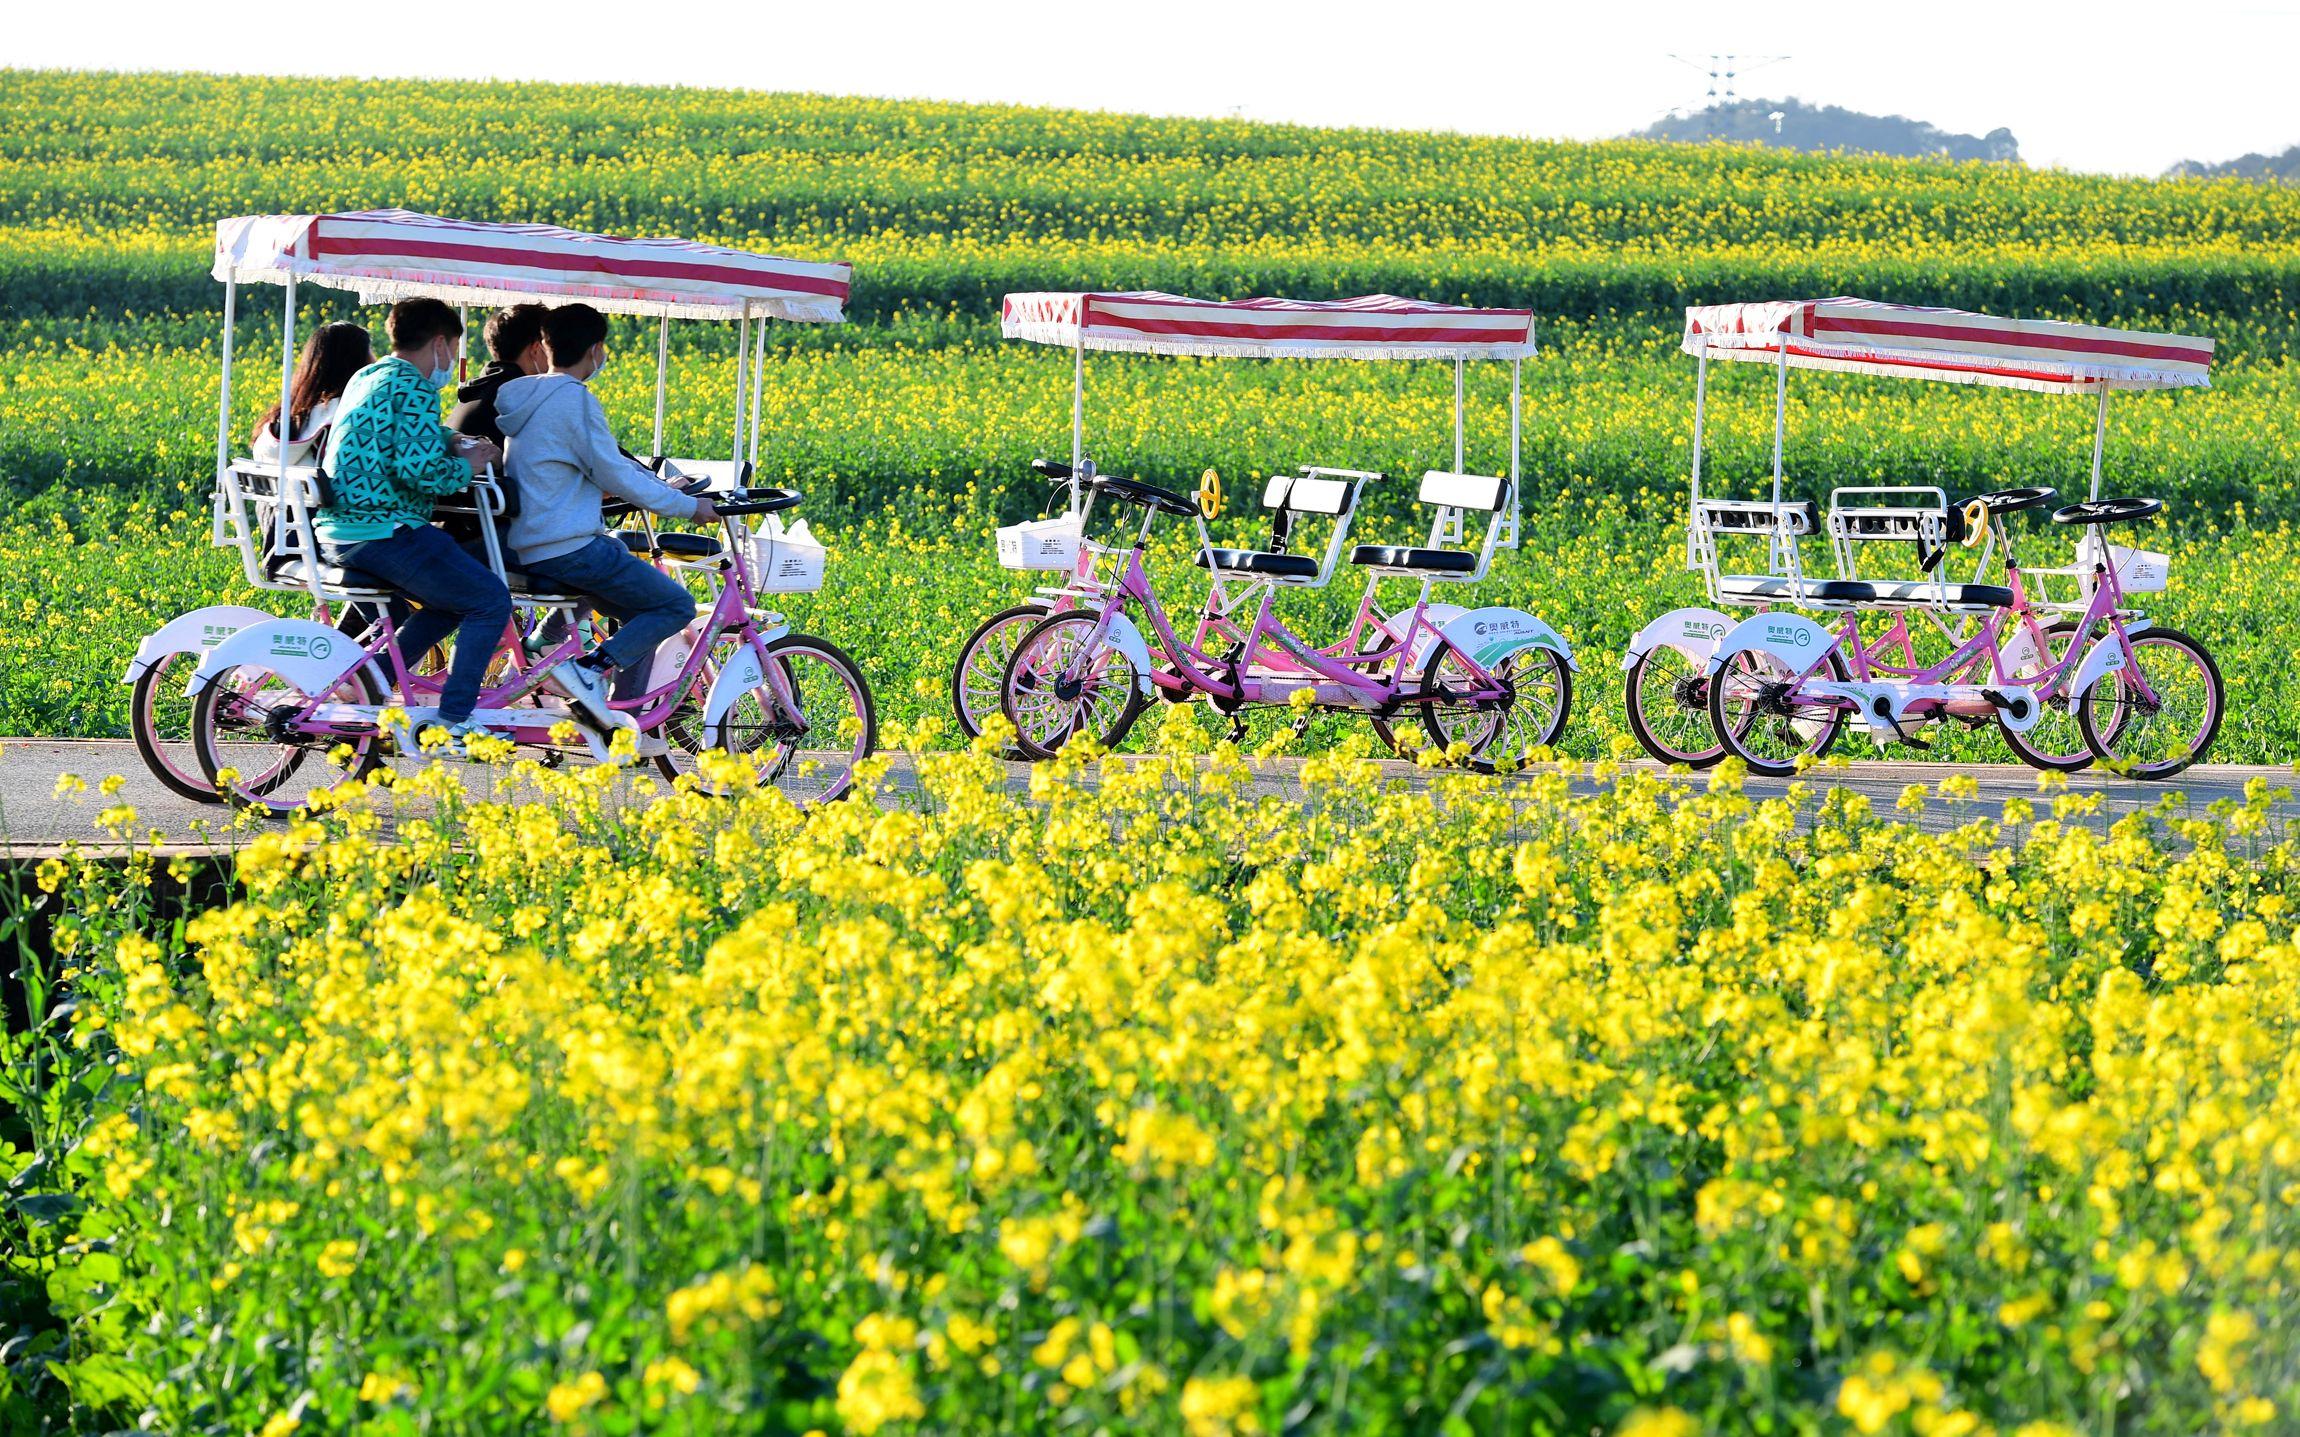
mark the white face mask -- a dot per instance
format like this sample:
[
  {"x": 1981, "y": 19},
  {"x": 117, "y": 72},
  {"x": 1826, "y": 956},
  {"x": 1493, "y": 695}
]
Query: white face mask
[{"x": 442, "y": 375}]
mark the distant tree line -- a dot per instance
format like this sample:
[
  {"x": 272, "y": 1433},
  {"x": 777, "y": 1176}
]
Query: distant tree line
[
  {"x": 2285, "y": 167},
  {"x": 1794, "y": 125}
]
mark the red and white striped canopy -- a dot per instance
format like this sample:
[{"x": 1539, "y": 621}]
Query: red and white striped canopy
[
  {"x": 1915, "y": 342},
  {"x": 385, "y": 255},
  {"x": 1378, "y": 326}
]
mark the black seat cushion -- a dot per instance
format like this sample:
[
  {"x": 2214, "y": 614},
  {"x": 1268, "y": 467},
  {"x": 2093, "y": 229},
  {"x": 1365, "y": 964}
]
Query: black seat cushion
[
  {"x": 1398, "y": 556},
  {"x": 687, "y": 546},
  {"x": 1254, "y": 561},
  {"x": 1826, "y": 591},
  {"x": 331, "y": 576},
  {"x": 1922, "y": 592}
]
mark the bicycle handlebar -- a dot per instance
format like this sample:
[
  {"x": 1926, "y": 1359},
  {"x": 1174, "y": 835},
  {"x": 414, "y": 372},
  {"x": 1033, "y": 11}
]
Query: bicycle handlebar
[{"x": 1149, "y": 496}]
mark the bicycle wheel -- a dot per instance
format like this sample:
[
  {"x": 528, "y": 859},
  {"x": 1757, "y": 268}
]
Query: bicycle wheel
[
  {"x": 981, "y": 667},
  {"x": 1758, "y": 718},
  {"x": 160, "y": 721},
  {"x": 805, "y": 726},
  {"x": 1059, "y": 681},
  {"x": 1539, "y": 688},
  {"x": 1668, "y": 698},
  {"x": 2156, "y": 737},
  {"x": 246, "y": 754},
  {"x": 2056, "y": 742}
]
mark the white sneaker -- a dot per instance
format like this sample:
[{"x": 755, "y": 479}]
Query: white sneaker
[{"x": 590, "y": 690}]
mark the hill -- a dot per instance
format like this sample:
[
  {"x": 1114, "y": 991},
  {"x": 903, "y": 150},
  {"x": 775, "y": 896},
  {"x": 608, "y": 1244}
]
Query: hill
[
  {"x": 1794, "y": 125},
  {"x": 2285, "y": 166}
]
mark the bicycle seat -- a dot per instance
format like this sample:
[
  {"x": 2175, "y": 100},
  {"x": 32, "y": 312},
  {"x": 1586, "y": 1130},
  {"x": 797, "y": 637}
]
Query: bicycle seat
[
  {"x": 756, "y": 501},
  {"x": 1257, "y": 561},
  {"x": 519, "y": 582},
  {"x": 686, "y": 546},
  {"x": 1956, "y": 596},
  {"x": 1819, "y": 591},
  {"x": 2011, "y": 501},
  {"x": 330, "y": 576},
  {"x": 1149, "y": 496},
  {"x": 1421, "y": 561},
  {"x": 2108, "y": 511}
]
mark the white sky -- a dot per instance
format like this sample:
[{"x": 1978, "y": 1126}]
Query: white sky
[{"x": 2118, "y": 87}]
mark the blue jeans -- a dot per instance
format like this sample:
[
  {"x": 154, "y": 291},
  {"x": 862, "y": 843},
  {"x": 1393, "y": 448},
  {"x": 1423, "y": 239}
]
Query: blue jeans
[
  {"x": 457, "y": 593},
  {"x": 647, "y": 604}
]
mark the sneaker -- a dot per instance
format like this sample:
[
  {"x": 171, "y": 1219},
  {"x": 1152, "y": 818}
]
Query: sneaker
[{"x": 589, "y": 689}]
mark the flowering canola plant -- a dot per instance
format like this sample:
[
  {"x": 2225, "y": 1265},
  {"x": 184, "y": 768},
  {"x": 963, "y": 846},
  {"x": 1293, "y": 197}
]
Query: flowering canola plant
[{"x": 1139, "y": 1099}]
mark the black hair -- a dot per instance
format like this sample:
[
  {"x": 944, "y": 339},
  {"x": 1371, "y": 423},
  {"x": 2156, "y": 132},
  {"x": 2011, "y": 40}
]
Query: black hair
[
  {"x": 510, "y": 331},
  {"x": 414, "y": 322},
  {"x": 569, "y": 332},
  {"x": 333, "y": 354}
]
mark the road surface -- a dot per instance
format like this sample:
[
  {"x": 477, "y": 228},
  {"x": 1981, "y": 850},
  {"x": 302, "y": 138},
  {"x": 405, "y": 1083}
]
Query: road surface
[{"x": 35, "y": 819}]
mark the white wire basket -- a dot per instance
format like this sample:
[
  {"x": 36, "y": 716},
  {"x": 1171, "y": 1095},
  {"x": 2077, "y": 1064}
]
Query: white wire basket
[{"x": 1041, "y": 544}]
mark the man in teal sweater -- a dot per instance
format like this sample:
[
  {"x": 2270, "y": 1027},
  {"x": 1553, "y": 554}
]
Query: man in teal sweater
[{"x": 388, "y": 459}]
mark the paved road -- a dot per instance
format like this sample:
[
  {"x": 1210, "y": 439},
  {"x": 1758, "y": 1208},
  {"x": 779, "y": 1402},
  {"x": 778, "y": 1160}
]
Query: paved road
[{"x": 34, "y": 819}]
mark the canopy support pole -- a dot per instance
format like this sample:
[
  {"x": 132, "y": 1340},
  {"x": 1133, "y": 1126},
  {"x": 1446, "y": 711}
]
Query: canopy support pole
[
  {"x": 287, "y": 368},
  {"x": 1077, "y": 416},
  {"x": 758, "y": 382},
  {"x": 1516, "y": 486},
  {"x": 1457, "y": 450},
  {"x": 1700, "y": 407},
  {"x": 463, "y": 343},
  {"x": 662, "y": 372},
  {"x": 1780, "y": 424},
  {"x": 742, "y": 366},
  {"x": 2099, "y": 439},
  {"x": 224, "y": 403}
]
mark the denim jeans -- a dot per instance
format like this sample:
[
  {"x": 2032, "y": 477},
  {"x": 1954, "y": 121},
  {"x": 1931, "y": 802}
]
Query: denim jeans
[
  {"x": 457, "y": 594},
  {"x": 647, "y": 604}
]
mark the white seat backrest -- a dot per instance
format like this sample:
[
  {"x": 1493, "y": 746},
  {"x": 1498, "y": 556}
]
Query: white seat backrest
[
  {"x": 1275, "y": 490},
  {"x": 1464, "y": 491},
  {"x": 1316, "y": 494}
]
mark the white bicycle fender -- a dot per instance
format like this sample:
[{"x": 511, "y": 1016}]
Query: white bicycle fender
[
  {"x": 1692, "y": 632},
  {"x": 1487, "y": 636},
  {"x": 1128, "y": 641},
  {"x": 1793, "y": 641},
  {"x": 192, "y": 633},
  {"x": 735, "y": 679},
  {"x": 2105, "y": 657},
  {"x": 311, "y": 656}
]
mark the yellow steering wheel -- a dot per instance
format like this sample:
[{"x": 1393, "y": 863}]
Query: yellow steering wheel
[
  {"x": 1976, "y": 523},
  {"x": 1210, "y": 495}
]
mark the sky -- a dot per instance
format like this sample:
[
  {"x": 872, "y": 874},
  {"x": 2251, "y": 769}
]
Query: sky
[{"x": 2112, "y": 87}]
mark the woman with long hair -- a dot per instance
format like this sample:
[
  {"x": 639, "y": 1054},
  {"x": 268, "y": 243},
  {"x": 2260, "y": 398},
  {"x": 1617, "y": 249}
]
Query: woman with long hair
[{"x": 333, "y": 354}]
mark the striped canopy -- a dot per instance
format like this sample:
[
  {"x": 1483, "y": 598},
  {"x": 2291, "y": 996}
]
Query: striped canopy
[
  {"x": 1378, "y": 326},
  {"x": 385, "y": 255},
  {"x": 1914, "y": 342}
]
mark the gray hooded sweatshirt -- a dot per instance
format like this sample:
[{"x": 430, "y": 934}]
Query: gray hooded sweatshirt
[{"x": 560, "y": 453}]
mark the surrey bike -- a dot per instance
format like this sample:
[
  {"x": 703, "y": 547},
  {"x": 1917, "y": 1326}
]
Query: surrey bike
[
  {"x": 1495, "y": 681},
  {"x": 263, "y": 510},
  {"x": 1669, "y": 669},
  {"x": 1376, "y": 327},
  {"x": 2148, "y": 700},
  {"x": 790, "y": 709}
]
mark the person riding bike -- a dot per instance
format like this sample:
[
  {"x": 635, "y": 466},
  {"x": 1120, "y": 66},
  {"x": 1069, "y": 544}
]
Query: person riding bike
[
  {"x": 565, "y": 461},
  {"x": 388, "y": 459}
]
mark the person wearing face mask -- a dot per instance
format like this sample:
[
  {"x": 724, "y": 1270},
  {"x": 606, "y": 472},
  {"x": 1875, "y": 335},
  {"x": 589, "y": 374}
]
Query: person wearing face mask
[
  {"x": 388, "y": 459},
  {"x": 564, "y": 459}
]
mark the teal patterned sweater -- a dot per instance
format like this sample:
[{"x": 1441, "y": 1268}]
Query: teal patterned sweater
[{"x": 387, "y": 455}]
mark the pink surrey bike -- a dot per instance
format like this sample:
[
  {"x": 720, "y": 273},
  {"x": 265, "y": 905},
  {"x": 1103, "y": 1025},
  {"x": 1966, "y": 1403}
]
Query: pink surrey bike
[
  {"x": 793, "y": 707},
  {"x": 2045, "y": 661},
  {"x": 284, "y": 690},
  {"x": 1497, "y": 681},
  {"x": 2146, "y": 699}
]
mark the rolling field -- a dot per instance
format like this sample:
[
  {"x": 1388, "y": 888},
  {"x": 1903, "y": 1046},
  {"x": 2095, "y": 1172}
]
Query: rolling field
[{"x": 1145, "y": 1105}]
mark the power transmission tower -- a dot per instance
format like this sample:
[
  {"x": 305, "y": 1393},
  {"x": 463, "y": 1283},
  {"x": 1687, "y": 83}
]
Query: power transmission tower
[{"x": 1724, "y": 73}]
